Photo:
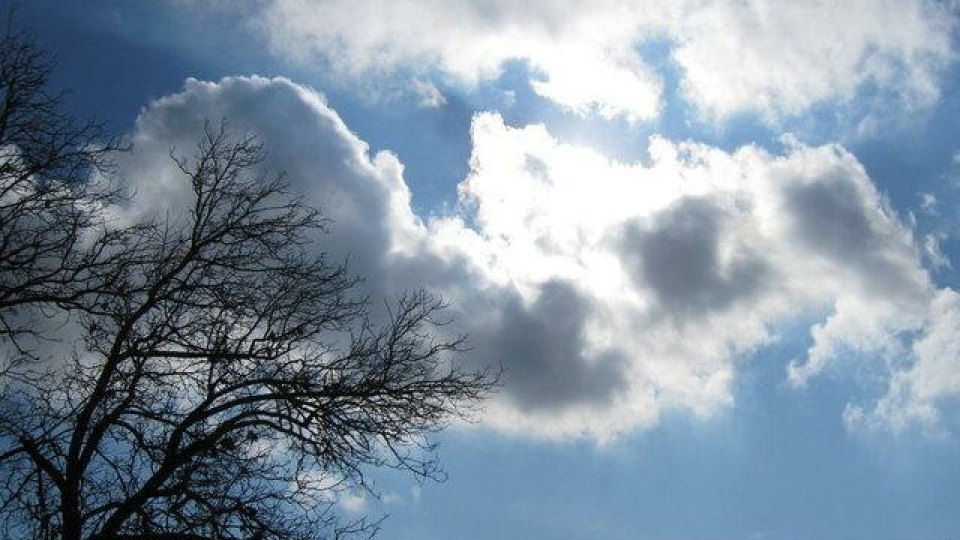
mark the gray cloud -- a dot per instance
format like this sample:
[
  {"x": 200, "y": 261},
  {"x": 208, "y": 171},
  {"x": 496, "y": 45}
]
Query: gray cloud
[
  {"x": 829, "y": 215},
  {"x": 833, "y": 218},
  {"x": 363, "y": 197},
  {"x": 544, "y": 353},
  {"x": 677, "y": 255}
]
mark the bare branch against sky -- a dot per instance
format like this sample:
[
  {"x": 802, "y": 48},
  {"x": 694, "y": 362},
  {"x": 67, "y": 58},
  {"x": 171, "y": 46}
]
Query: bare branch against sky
[
  {"x": 712, "y": 245},
  {"x": 218, "y": 377}
]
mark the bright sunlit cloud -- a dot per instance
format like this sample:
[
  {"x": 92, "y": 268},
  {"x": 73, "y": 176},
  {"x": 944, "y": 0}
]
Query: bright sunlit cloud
[
  {"x": 764, "y": 57},
  {"x": 612, "y": 292}
]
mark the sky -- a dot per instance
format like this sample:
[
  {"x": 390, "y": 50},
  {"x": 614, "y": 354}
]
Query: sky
[{"x": 712, "y": 243}]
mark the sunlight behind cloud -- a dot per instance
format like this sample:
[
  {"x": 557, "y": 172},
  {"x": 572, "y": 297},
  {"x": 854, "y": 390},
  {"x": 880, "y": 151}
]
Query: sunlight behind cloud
[
  {"x": 711, "y": 246},
  {"x": 612, "y": 293}
]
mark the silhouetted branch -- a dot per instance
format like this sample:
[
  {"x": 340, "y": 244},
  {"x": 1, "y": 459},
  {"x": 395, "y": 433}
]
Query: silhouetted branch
[
  {"x": 48, "y": 202},
  {"x": 227, "y": 382}
]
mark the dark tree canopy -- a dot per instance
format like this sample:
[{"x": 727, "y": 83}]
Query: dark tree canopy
[{"x": 226, "y": 380}]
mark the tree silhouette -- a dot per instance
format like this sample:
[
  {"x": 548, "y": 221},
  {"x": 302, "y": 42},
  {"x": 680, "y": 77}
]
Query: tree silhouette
[
  {"x": 46, "y": 191},
  {"x": 226, "y": 381}
]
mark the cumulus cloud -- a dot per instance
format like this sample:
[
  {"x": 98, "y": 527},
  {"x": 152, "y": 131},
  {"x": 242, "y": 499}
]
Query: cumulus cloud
[
  {"x": 781, "y": 59},
  {"x": 610, "y": 292},
  {"x": 303, "y": 138},
  {"x": 694, "y": 260},
  {"x": 915, "y": 394},
  {"x": 761, "y": 56}
]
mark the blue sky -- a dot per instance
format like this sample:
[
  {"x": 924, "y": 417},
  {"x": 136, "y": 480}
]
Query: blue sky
[{"x": 713, "y": 244}]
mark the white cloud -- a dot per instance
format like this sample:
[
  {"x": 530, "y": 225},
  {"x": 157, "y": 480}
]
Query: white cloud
[
  {"x": 611, "y": 292},
  {"x": 781, "y": 58},
  {"x": 931, "y": 249},
  {"x": 351, "y": 502},
  {"x": 303, "y": 138},
  {"x": 761, "y": 56},
  {"x": 471, "y": 41},
  {"x": 684, "y": 264},
  {"x": 392, "y": 498},
  {"x": 429, "y": 95},
  {"x": 915, "y": 394}
]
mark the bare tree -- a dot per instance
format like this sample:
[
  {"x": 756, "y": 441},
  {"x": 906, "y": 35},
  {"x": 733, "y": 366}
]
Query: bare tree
[
  {"x": 227, "y": 382},
  {"x": 47, "y": 201}
]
